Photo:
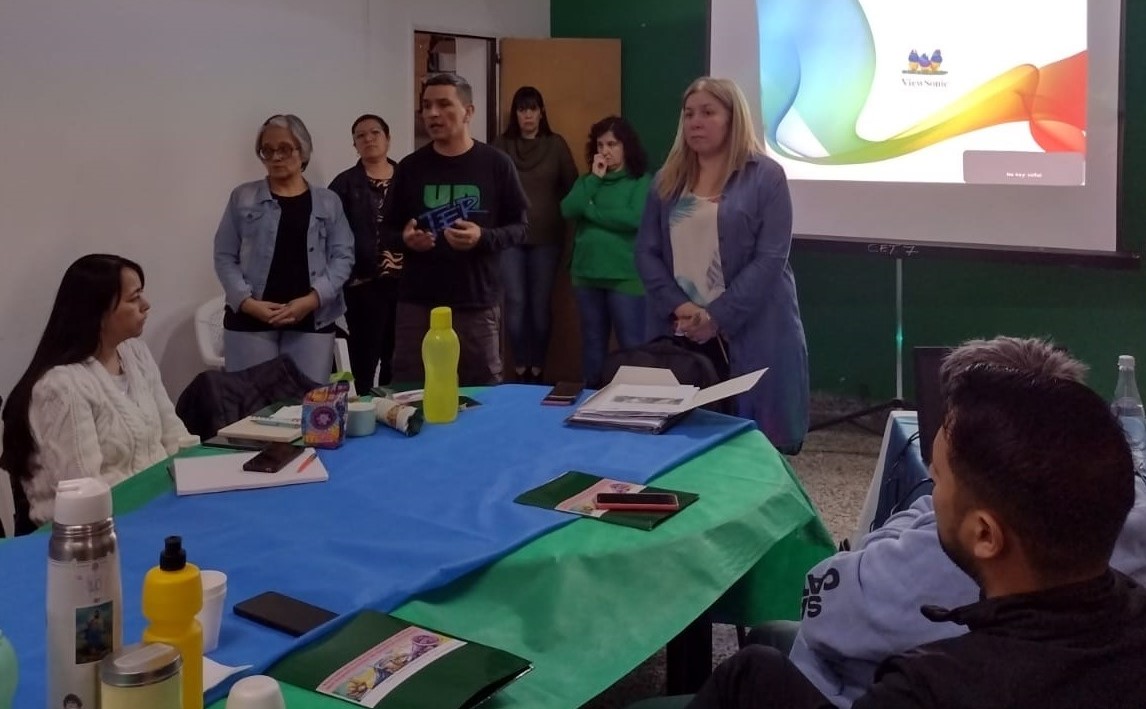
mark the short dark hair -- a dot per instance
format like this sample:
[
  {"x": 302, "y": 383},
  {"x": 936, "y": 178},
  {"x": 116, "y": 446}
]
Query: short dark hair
[
  {"x": 1048, "y": 456},
  {"x": 636, "y": 160},
  {"x": 526, "y": 97},
  {"x": 465, "y": 91},
  {"x": 370, "y": 117}
]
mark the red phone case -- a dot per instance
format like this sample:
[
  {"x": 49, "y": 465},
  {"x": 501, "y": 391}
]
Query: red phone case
[{"x": 637, "y": 506}]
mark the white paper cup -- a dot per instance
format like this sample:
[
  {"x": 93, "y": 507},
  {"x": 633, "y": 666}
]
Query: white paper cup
[
  {"x": 211, "y": 617},
  {"x": 257, "y": 692}
]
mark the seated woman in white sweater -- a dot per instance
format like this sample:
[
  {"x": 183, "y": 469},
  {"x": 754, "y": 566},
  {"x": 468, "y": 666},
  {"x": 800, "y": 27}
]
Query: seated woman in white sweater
[{"x": 91, "y": 403}]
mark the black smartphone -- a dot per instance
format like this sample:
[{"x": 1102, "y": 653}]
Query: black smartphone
[
  {"x": 564, "y": 394},
  {"x": 638, "y": 501},
  {"x": 273, "y": 458},
  {"x": 283, "y": 613},
  {"x": 233, "y": 443}
]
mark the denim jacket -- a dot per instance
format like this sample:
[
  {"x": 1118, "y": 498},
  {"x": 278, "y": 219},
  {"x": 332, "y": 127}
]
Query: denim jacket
[{"x": 245, "y": 245}]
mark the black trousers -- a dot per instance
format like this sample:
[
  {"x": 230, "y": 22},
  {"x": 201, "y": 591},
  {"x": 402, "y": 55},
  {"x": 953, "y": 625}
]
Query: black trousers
[
  {"x": 370, "y": 309},
  {"x": 758, "y": 677}
]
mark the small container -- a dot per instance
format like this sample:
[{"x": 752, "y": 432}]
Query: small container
[
  {"x": 144, "y": 675},
  {"x": 360, "y": 419}
]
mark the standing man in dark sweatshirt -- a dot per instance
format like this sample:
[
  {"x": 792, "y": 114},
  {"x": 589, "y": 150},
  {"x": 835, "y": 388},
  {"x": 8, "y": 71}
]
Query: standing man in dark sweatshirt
[{"x": 453, "y": 205}]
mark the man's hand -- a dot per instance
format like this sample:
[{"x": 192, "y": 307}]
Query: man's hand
[
  {"x": 294, "y": 311},
  {"x": 262, "y": 310},
  {"x": 463, "y": 235},
  {"x": 415, "y": 238}
]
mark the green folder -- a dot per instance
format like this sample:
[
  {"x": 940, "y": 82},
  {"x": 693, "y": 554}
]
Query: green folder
[
  {"x": 573, "y": 491},
  {"x": 376, "y": 660}
]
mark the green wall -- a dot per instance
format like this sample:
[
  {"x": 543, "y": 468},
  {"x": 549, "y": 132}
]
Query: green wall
[{"x": 848, "y": 301}]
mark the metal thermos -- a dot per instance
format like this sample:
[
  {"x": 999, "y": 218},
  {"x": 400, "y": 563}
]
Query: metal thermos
[{"x": 85, "y": 595}]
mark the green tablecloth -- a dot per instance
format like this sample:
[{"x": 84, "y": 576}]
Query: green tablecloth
[{"x": 588, "y": 602}]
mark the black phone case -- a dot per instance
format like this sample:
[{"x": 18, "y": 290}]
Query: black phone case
[
  {"x": 283, "y": 613},
  {"x": 274, "y": 458}
]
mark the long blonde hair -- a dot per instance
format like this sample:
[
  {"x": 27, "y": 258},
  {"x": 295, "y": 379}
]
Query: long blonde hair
[{"x": 682, "y": 168}]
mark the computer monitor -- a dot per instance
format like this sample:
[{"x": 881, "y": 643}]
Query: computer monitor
[{"x": 928, "y": 395}]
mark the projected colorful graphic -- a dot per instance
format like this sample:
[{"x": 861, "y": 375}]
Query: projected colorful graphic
[{"x": 842, "y": 86}]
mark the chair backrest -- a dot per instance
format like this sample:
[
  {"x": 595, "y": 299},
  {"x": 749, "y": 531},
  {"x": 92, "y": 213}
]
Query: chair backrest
[
  {"x": 209, "y": 332},
  {"x": 342, "y": 361},
  {"x": 7, "y": 501},
  {"x": 928, "y": 396}
]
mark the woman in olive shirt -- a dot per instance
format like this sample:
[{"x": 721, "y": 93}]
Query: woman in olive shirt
[
  {"x": 546, "y": 168},
  {"x": 607, "y": 204}
]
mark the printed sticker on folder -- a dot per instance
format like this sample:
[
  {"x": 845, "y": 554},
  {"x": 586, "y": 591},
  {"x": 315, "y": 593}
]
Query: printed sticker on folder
[
  {"x": 368, "y": 678},
  {"x": 376, "y": 660}
]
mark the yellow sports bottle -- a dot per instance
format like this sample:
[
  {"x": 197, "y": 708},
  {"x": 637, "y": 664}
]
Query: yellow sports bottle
[
  {"x": 172, "y": 597},
  {"x": 440, "y": 354}
]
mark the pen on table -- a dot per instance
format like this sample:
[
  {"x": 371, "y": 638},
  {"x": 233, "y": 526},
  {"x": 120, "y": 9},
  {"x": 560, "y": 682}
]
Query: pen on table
[
  {"x": 268, "y": 421},
  {"x": 308, "y": 461}
]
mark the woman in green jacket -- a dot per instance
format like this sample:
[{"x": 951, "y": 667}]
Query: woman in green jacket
[{"x": 607, "y": 205}]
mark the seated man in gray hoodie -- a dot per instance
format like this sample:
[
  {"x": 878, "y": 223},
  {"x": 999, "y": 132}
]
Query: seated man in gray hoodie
[
  {"x": 1033, "y": 485},
  {"x": 868, "y": 600}
]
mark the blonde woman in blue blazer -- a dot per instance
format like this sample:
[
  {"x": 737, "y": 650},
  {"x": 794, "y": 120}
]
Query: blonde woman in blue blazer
[{"x": 712, "y": 251}]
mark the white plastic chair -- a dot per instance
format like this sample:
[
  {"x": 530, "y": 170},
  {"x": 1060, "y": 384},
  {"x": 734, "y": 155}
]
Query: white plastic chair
[
  {"x": 7, "y": 503},
  {"x": 342, "y": 361},
  {"x": 209, "y": 332}
]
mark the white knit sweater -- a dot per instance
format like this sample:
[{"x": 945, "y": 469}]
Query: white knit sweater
[{"x": 85, "y": 426}]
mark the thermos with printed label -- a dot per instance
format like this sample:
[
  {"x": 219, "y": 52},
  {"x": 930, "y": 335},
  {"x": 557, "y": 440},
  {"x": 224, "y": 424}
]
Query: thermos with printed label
[{"x": 85, "y": 597}]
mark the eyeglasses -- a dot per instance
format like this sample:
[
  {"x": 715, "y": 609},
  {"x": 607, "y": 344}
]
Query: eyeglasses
[{"x": 267, "y": 153}]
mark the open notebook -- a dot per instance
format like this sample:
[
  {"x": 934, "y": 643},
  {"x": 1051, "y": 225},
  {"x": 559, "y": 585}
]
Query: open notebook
[{"x": 219, "y": 473}]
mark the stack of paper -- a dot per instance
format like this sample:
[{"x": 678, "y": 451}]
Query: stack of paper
[
  {"x": 650, "y": 400},
  {"x": 636, "y": 406},
  {"x": 219, "y": 473},
  {"x": 267, "y": 429}
]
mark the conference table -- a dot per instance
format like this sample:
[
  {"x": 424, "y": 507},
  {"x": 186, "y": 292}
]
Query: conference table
[{"x": 425, "y": 528}]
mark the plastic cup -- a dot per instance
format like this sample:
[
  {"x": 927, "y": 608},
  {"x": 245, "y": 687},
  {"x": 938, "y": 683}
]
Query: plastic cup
[
  {"x": 257, "y": 692},
  {"x": 360, "y": 418},
  {"x": 211, "y": 617}
]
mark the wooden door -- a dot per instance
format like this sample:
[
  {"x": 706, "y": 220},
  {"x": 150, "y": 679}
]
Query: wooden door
[{"x": 580, "y": 80}]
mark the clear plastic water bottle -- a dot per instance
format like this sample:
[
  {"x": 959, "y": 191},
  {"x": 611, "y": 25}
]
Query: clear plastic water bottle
[{"x": 1127, "y": 407}]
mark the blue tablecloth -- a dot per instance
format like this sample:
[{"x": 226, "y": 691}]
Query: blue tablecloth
[
  {"x": 905, "y": 476},
  {"x": 398, "y": 516}
]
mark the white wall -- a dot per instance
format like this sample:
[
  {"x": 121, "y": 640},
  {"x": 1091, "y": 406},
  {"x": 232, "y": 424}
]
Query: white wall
[{"x": 125, "y": 124}]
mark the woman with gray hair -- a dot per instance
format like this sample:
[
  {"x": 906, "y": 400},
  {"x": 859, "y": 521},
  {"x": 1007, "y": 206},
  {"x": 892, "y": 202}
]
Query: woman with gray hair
[{"x": 283, "y": 251}]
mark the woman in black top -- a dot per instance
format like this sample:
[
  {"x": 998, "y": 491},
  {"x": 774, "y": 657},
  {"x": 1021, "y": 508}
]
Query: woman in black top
[
  {"x": 547, "y": 172},
  {"x": 282, "y": 253},
  {"x": 372, "y": 292}
]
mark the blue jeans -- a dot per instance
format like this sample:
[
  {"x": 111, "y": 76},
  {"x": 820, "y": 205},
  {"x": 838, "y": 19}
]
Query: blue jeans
[
  {"x": 604, "y": 310},
  {"x": 312, "y": 352},
  {"x": 527, "y": 272}
]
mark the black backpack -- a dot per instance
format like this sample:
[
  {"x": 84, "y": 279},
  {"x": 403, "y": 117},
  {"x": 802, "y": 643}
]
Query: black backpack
[{"x": 688, "y": 365}]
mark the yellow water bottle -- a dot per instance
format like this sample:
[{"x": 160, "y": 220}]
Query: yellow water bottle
[
  {"x": 172, "y": 597},
  {"x": 440, "y": 354}
]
